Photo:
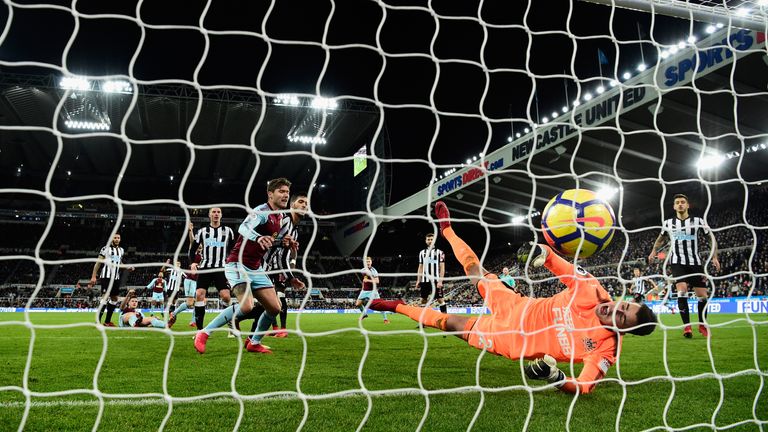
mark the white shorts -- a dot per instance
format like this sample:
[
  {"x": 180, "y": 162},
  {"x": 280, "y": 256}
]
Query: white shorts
[
  {"x": 190, "y": 286},
  {"x": 368, "y": 295},
  {"x": 158, "y": 297}
]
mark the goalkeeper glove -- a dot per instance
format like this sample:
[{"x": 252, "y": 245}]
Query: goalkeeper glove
[{"x": 544, "y": 369}]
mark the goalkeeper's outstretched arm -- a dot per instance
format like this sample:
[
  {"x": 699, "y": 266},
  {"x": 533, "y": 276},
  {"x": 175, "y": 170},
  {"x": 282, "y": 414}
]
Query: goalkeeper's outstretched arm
[{"x": 546, "y": 369}]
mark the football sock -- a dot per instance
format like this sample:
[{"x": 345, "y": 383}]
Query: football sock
[
  {"x": 158, "y": 323},
  {"x": 110, "y": 308},
  {"x": 283, "y": 312},
  {"x": 199, "y": 314},
  {"x": 431, "y": 318},
  {"x": 265, "y": 321},
  {"x": 682, "y": 304},
  {"x": 385, "y": 316},
  {"x": 101, "y": 311},
  {"x": 223, "y": 318},
  {"x": 703, "y": 310},
  {"x": 463, "y": 252}
]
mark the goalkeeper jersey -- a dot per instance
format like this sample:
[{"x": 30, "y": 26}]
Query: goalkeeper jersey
[{"x": 564, "y": 326}]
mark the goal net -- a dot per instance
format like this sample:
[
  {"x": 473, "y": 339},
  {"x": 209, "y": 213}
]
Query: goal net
[{"x": 137, "y": 118}]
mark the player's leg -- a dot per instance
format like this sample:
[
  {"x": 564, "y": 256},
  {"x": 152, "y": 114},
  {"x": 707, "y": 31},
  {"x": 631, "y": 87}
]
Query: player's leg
[
  {"x": 112, "y": 304},
  {"x": 283, "y": 315},
  {"x": 428, "y": 317},
  {"x": 703, "y": 297},
  {"x": 467, "y": 258},
  {"x": 220, "y": 280},
  {"x": 267, "y": 297},
  {"x": 203, "y": 282},
  {"x": 361, "y": 302},
  {"x": 682, "y": 277}
]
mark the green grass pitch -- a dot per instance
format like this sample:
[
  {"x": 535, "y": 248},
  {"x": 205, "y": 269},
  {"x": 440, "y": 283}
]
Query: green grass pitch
[{"x": 413, "y": 380}]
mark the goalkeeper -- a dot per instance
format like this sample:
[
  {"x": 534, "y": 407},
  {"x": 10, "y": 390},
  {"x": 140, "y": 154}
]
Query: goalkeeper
[{"x": 580, "y": 324}]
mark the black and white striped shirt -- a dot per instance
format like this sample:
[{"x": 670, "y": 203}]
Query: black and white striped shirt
[
  {"x": 684, "y": 240},
  {"x": 114, "y": 257},
  {"x": 278, "y": 257},
  {"x": 174, "y": 279},
  {"x": 217, "y": 242},
  {"x": 430, "y": 259},
  {"x": 641, "y": 286}
]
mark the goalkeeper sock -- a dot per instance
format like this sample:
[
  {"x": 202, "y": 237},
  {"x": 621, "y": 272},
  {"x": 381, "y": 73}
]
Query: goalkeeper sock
[
  {"x": 199, "y": 314},
  {"x": 703, "y": 310},
  {"x": 463, "y": 252},
  {"x": 265, "y": 321},
  {"x": 444, "y": 308},
  {"x": 431, "y": 318},
  {"x": 682, "y": 304}
]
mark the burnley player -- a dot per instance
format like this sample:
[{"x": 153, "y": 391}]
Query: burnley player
[
  {"x": 130, "y": 315},
  {"x": 579, "y": 324},
  {"x": 245, "y": 268},
  {"x": 157, "y": 285},
  {"x": 369, "y": 291}
]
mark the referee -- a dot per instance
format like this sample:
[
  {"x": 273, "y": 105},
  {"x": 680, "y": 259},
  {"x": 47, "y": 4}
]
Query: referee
[
  {"x": 217, "y": 241},
  {"x": 685, "y": 263},
  {"x": 429, "y": 276}
]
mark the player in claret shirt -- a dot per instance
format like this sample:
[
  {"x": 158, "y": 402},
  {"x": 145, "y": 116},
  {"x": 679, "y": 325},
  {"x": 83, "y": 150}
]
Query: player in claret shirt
[{"x": 581, "y": 323}]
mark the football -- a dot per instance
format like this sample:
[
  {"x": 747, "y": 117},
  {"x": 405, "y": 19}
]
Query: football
[{"x": 577, "y": 222}]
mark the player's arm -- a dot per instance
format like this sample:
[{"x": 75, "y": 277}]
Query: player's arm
[
  {"x": 418, "y": 274},
  {"x": 194, "y": 243},
  {"x": 249, "y": 226},
  {"x": 546, "y": 369},
  {"x": 375, "y": 276},
  {"x": 656, "y": 245},
  {"x": 97, "y": 266},
  {"x": 191, "y": 234},
  {"x": 713, "y": 242},
  {"x": 151, "y": 283}
]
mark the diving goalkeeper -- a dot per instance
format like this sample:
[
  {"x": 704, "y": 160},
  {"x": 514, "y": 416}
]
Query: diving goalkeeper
[{"x": 580, "y": 323}]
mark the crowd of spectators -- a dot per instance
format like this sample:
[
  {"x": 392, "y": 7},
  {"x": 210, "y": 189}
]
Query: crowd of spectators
[{"x": 71, "y": 245}]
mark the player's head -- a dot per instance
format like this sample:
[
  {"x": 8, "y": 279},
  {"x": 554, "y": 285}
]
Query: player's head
[
  {"x": 214, "y": 214},
  {"x": 636, "y": 271},
  {"x": 429, "y": 239},
  {"x": 160, "y": 275},
  {"x": 299, "y": 203},
  {"x": 680, "y": 203},
  {"x": 131, "y": 300},
  {"x": 626, "y": 315},
  {"x": 178, "y": 263},
  {"x": 368, "y": 261},
  {"x": 505, "y": 270},
  {"x": 116, "y": 239},
  {"x": 278, "y": 191}
]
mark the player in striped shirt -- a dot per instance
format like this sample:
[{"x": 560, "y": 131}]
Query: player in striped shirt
[
  {"x": 246, "y": 269},
  {"x": 641, "y": 286},
  {"x": 175, "y": 277},
  {"x": 685, "y": 263},
  {"x": 217, "y": 241},
  {"x": 430, "y": 274},
  {"x": 109, "y": 277},
  {"x": 580, "y": 324}
]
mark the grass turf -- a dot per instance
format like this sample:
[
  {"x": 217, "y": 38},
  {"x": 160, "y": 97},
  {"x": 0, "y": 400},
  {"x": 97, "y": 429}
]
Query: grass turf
[{"x": 330, "y": 366}]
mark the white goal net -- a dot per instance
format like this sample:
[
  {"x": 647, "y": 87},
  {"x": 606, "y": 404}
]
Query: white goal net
[{"x": 137, "y": 118}]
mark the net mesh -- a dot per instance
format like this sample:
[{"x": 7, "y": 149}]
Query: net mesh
[{"x": 512, "y": 105}]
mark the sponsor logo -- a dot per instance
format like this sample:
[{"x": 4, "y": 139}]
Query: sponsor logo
[
  {"x": 563, "y": 320},
  {"x": 589, "y": 344},
  {"x": 752, "y": 306}
]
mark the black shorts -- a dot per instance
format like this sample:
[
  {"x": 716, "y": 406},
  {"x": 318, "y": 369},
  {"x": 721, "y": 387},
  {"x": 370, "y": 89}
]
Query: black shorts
[
  {"x": 204, "y": 280},
  {"x": 115, "y": 290},
  {"x": 426, "y": 290},
  {"x": 686, "y": 273}
]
